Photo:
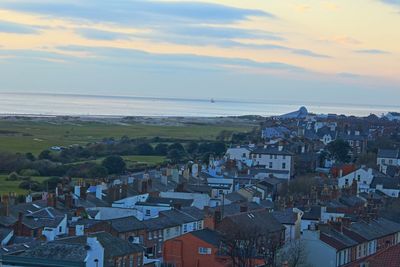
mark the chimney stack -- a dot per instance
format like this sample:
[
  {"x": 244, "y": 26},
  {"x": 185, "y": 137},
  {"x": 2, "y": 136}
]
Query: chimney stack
[
  {"x": 83, "y": 193},
  {"x": 51, "y": 201},
  {"x": 243, "y": 208},
  {"x": 5, "y": 206},
  {"x": 77, "y": 190},
  {"x": 68, "y": 201},
  {"x": 99, "y": 192}
]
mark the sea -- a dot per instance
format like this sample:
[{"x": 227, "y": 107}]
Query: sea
[{"x": 32, "y": 104}]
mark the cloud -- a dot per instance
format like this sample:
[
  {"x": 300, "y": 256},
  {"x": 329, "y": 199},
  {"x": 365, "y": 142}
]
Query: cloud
[
  {"x": 391, "y": 2},
  {"x": 304, "y": 52},
  {"x": 343, "y": 40},
  {"x": 221, "y": 32},
  {"x": 11, "y": 27},
  {"x": 349, "y": 75},
  {"x": 136, "y": 58},
  {"x": 372, "y": 51},
  {"x": 95, "y": 34},
  {"x": 139, "y": 12}
]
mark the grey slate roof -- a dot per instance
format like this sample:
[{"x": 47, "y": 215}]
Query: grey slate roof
[
  {"x": 167, "y": 201},
  {"x": 234, "y": 208},
  {"x": 113, "y": 246},
  {"x": 262, "y": 219},
  {"x": 287, "y": 216},
  {"x": 127, "y": 224},
  {"x": 271, "y": 151},
  {"x": 389, "y": 153},
  {"x": 211, "y": 237},
  {"x": 47, "y": 217},
  {"x": 4, "y": 232},
  {"x": 386, "y": 182},
  {"x": 184, "y": 215},
  {"x": 375, "y": 228},
  {"x": 57, "y": 251}
]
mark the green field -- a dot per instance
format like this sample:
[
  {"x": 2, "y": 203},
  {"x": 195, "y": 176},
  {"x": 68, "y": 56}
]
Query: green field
[
  {"x": 32, "y": 136},
  {"x": 150, "y": 161},
  {"x": 12, "y": 186}
]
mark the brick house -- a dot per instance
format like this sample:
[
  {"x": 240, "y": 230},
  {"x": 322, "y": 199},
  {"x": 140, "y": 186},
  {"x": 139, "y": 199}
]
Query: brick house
[{"x": 199, "y": 248}]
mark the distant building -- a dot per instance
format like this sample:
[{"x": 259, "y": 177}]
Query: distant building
[
  {"x": 349, "y": 244},
  {"x": 198, "y": 248},
  {"x": 393, "y": 116},
  {"x": 388, "y": 157},
  {"x": 299, "y": 114},
  {"x": 274, "y": 132},
  {"x": 275, "y": 159}
]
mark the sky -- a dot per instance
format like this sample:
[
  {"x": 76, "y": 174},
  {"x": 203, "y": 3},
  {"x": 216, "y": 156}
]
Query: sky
[{"x": 304, "y": 50}]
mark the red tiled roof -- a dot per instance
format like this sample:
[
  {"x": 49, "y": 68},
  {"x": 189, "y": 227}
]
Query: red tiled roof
[{"x": 388, "y": 258}]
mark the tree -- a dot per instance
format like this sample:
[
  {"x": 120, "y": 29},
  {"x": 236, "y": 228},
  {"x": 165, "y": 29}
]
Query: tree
[
  {"x": 45, "y": 154},
  {"x": 161, "y": 149},
  {"x": 177, "y": 146},
  {"x": 293, "y": 254},
  {"x": 97, "y": 171},
  {"x": 339, "y": 149},
  {"x": 192, "y": 147},
  {"x": 248, "y": 242},
  {"x": 175, "y": 155},
  {"x": 30, "y": 156},
  {"x": 114, "y": 164},
  {"x": 144, "y": 149},
  {"x": 367, "y": 159},
  {"x": 224, "y": 135}
]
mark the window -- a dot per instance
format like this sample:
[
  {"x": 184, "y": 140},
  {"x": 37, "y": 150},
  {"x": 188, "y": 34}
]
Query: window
[
  {"x": 390, "y": 161},
  {"x": 270, "y": 156},
  {"x": 149, "y": 251},
  {"x": 243, "y": 155},
  {"x": 347, "y": 182},
  {"x": 275, "y": 156},
  {"x": 383, "y": 161},
  {"x": 284, "y": 165},
  {"x": 204, "y": 251},
  {"x": 184, "y": 228},
  {"x": 60, "y": 229},
  {"x": 131, "y": 261},
  {"x": 270, "y": 165},
  {"x": 358, "y": 177},
  {"x": 148, "y": 212},
  {"x": 150, "y": 236},
  {"x": 259, "y": 156}
]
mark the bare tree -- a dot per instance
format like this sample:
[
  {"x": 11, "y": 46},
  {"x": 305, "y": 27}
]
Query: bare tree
[
  {"x": 247, "y": 246},
  {"x": 293, "y": 254}
]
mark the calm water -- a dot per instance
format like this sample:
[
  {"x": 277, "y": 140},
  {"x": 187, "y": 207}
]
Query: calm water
[{"x": 50, "y": 104}]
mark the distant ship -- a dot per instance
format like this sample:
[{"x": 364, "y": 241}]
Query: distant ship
[{"x": 212, "y": 100}]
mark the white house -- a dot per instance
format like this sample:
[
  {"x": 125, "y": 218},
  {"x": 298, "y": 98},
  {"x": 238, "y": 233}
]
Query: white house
[
  {"x": 51, "y": 233},
  {"x": 393, "y": 116},
  {"x": 362, "y": 176},
  {"x": 239, "y": 152},
  {"x": 199, "y": 200},
  {"x": 130, "y": 202},
  {"x": 274, "y": 158},
  {"x": 388, "y": 157},
  {"x": 110, "y": 213},
  {"x": 388, "y": 185},
  {"x": 321, "y": 253}
]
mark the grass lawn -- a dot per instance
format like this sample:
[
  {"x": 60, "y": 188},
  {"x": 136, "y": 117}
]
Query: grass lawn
[
  {"x": 131, "y": 160},
  {"x": 12, "y": 186},
  {"x": 29, "y": 136}
]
